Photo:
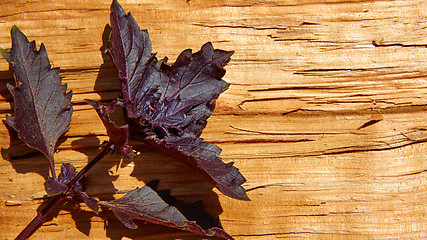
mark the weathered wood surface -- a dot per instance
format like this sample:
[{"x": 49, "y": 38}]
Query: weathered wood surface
[{"x": 325, "y": 117}]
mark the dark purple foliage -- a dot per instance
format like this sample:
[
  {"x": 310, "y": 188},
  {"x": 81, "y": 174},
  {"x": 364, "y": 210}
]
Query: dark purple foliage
[
  {"x": 42, "y": 106},
  {"x": 60, "y": 186},
  {"x": 167, "y": 106},
  {"x": 192, "y": 211},
  {"x": 118, "y": 135},
  {"x": 145, "y": 204}
]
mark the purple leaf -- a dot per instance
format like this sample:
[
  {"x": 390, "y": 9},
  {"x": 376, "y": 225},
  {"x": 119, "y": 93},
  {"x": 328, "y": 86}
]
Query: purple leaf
[
  {"x": 92, "y": 203},
  {"x": 60, "y": 186},
  {"x": 118, "y": 135},
  {"x": 167, "y": 106},
  {"x": 42, "y": 106},
  {"x": 57, "y": 186},
  {"x": 54, "y": 187},
  {"x": 204, "y": 156},
  {"x": 68, "y": 172},
  {"x": 193, "y": 211},
  {"x": 144, "y": 204}
]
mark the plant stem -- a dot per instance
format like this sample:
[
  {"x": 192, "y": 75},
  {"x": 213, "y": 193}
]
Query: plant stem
[
  {"x": 39, "y": 218},
  {"x": 52, "y": 167},
  {"x": 105, "y": 150},
  {"x": 37, "y": 221}
]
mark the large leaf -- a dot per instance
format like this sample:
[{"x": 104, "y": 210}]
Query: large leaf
[
  {"x": 42, "y": 106},
  {"x": 145, "y": 204},
  {"x": 167, "y": 106},
  {"x": 192, "y": 211}
]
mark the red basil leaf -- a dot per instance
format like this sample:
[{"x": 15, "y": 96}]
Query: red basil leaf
[
  {"x": 42, "y": 106},
  {"x": 192, "y": 211},
  {"x": 145, "y": 204},
  {"x": 167, "y": 106},
  {"x": 91, "y": 202},
  {"x": 54, "y": 187},
  {"x": 118, "y": 135},
  {"x": 60, "y": 185},
  {"x": 204, "y": 156}
]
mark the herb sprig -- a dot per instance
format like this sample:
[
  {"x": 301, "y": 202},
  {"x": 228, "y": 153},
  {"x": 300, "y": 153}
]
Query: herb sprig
[{"x": 166, "y": 107}]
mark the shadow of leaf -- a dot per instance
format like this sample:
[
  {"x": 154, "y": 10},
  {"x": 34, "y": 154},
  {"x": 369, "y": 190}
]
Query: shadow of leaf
[
  {"x": 18, "y": 153},
  {"x": 81, "y": 218},
  {"x": 186, "y": 185},
  {"x": 115, "y": 230},
  {"x": 98, "y": 181},
  {"x": 107, "y": 82},
  {"x": 192, "y": 212}
]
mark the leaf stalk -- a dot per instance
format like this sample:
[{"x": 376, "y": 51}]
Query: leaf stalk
[{"x": 37, "y": 221}]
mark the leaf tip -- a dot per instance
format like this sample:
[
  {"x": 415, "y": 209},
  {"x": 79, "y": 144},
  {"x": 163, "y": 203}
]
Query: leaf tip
[
  {"x": 69, "y": 95},
  {"x": 116, "y": 7},
  {"x": 93, "y": 103},
  {"x": 225, "y": 87},
  {"x": 6, "y": 53},
  {"x": 10, "y": 87},
  {"x": 237, "y": 192},
  {"x": 17, "y": 34},
  {"x": 15, "y": 29},
  {"x": 207, "y": 47},
  {"x": 10, "y": 120}
]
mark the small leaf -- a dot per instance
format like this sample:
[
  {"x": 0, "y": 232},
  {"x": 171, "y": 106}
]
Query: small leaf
[
  {"x": 68, "y": 172},
  {"x": 167, "y": 106},
  {"x": 144, "y": 203},
  {"x": 54, "y": 187},
  {"x": 91, "y": 202},
  {"x": 60, "y": 186},
  {"x": 42, "y": 106},
  {"x": 118, "y": 135}
]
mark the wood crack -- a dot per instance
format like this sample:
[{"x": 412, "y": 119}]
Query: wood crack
[
  {"x": 398, "y": 45},
  {"x": 326, "y": 70},
  {"x": 239, "y": 26},
  {"x": 50, "y": 10},
  {"x": 291, "y": 233}
]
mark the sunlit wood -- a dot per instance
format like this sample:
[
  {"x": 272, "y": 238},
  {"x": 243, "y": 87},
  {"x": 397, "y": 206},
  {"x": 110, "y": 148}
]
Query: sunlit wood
[{"x": 325, "y": 117}]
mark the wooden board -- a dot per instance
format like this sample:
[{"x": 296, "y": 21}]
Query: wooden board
[{"x": 325, "y": 117}]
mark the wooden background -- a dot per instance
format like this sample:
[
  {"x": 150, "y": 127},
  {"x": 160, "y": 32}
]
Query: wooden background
[{"x": 325, "y": 117}]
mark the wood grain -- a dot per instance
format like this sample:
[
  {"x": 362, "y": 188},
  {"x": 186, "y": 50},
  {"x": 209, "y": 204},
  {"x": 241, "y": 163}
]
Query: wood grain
[{"x": 325, "y": 117}]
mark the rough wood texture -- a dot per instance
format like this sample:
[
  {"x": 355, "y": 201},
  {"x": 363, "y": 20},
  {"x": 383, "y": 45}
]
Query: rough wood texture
[{"x": 325, "y": 117}]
